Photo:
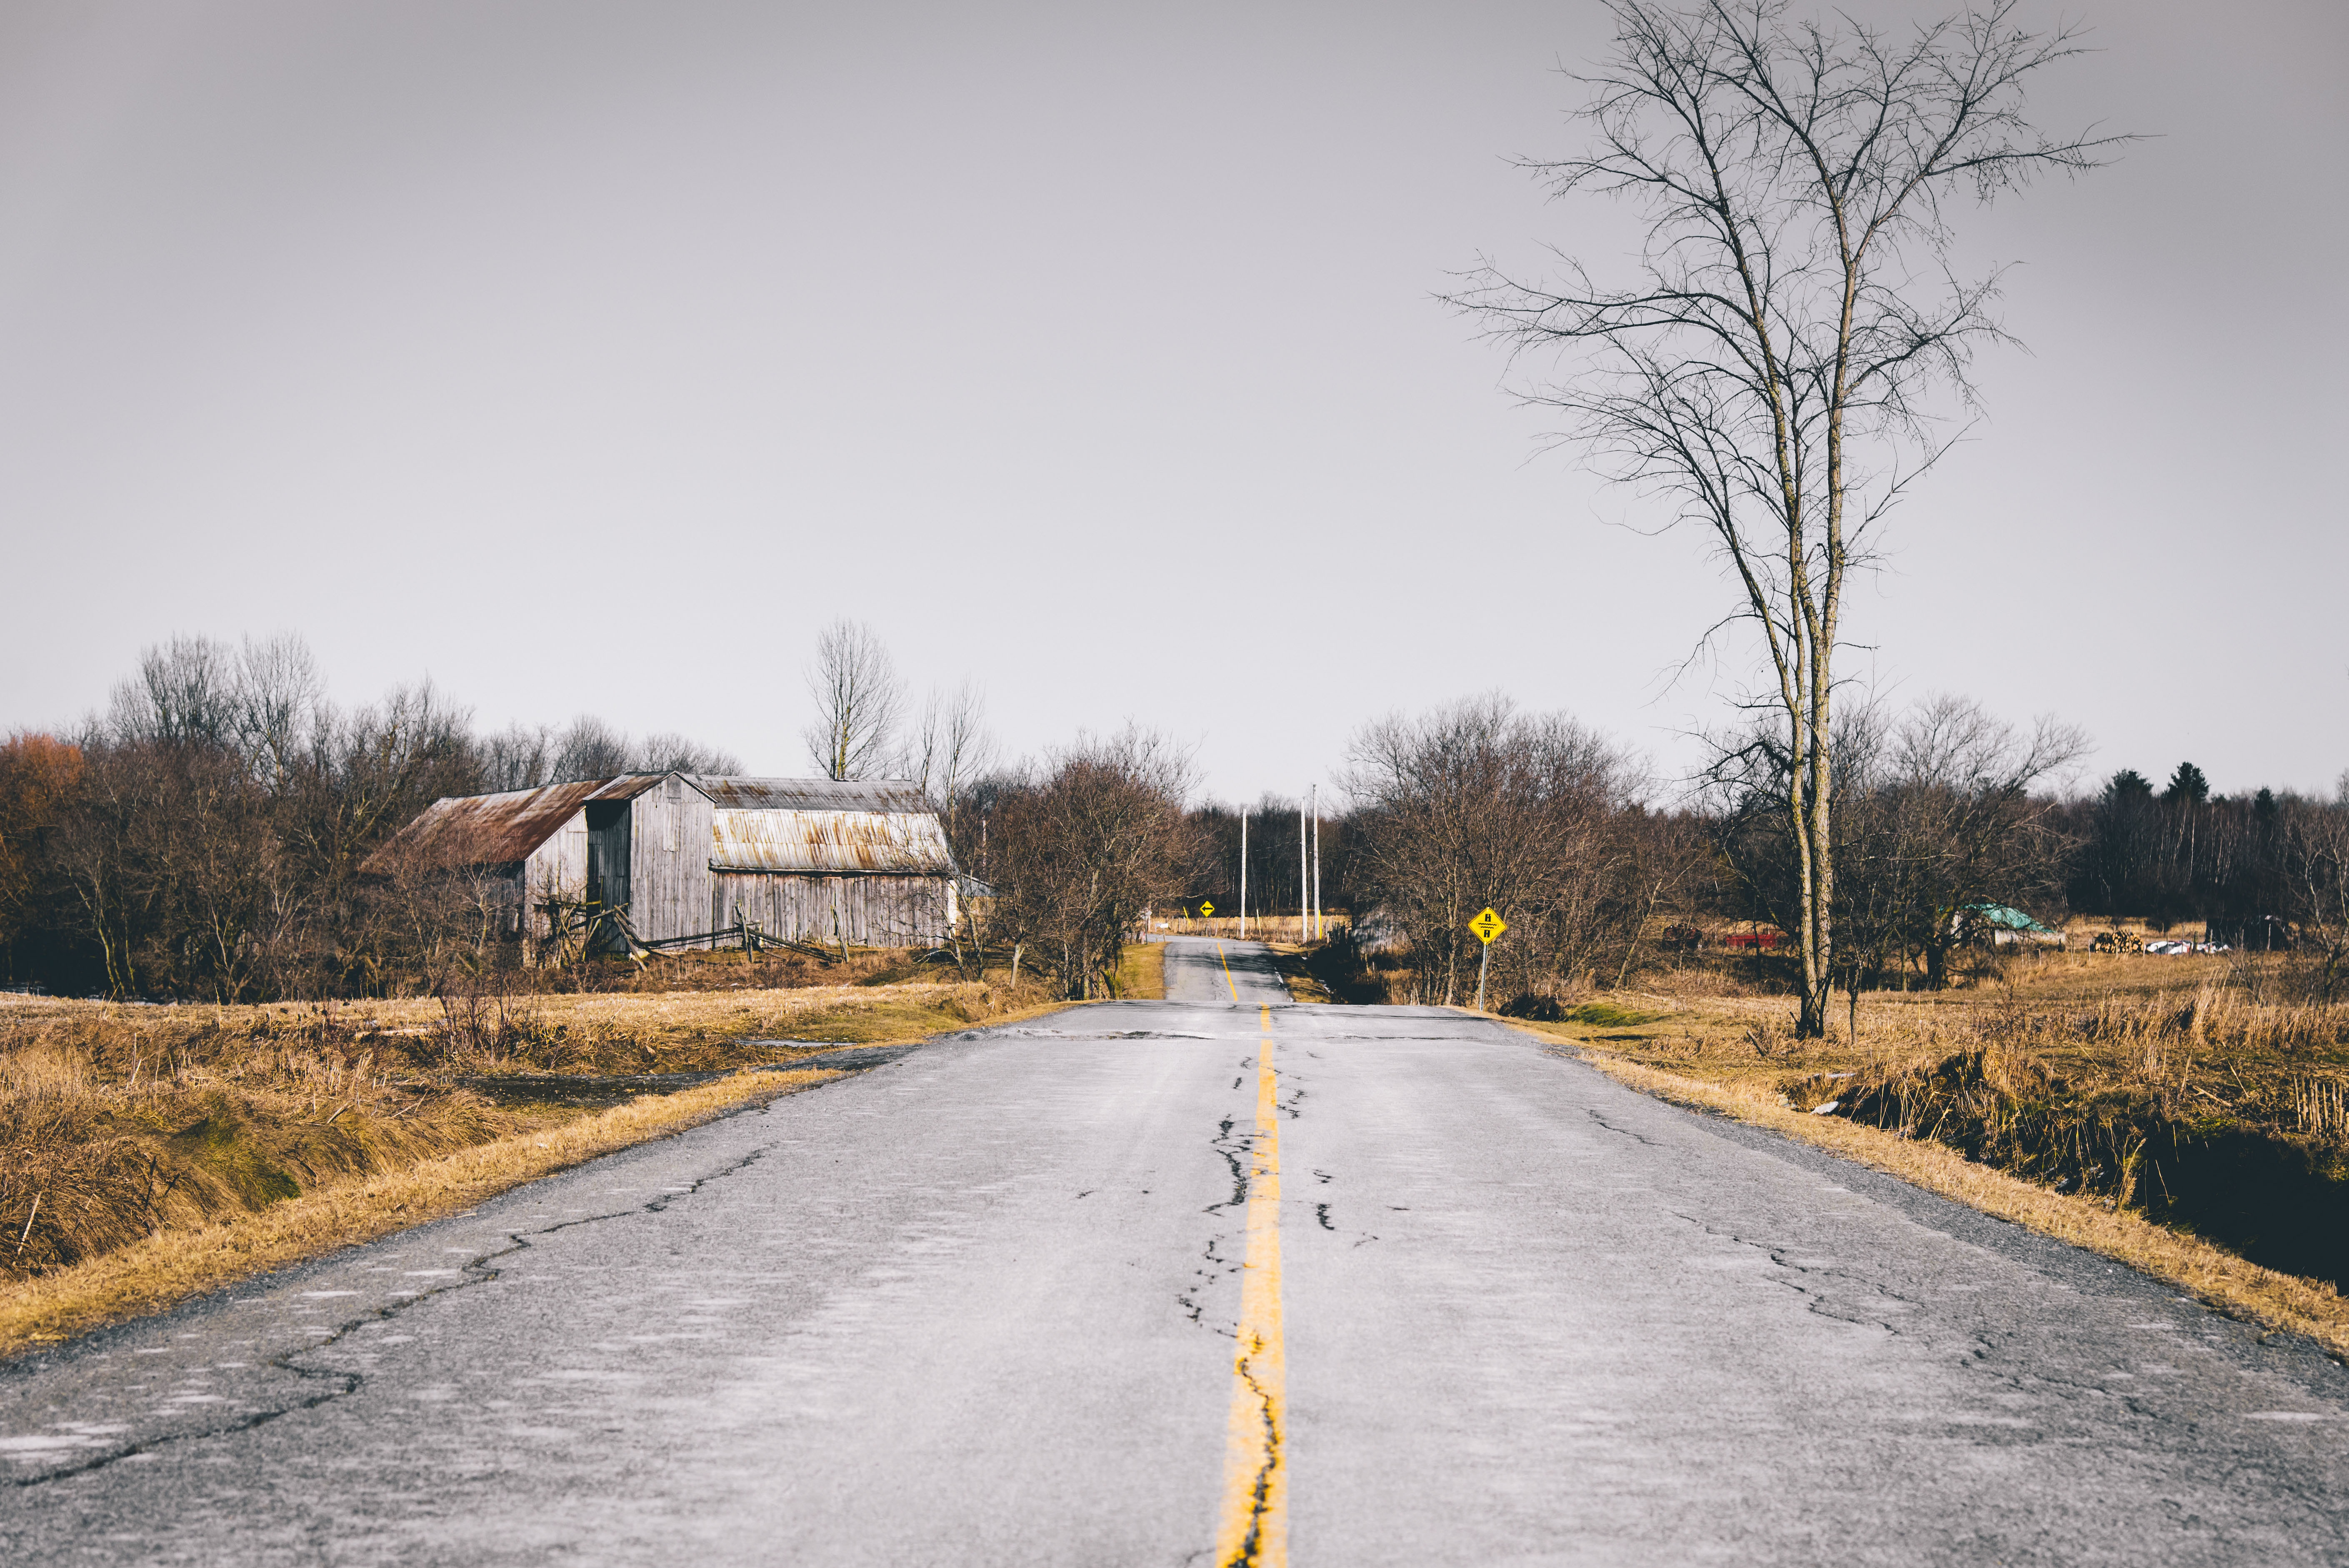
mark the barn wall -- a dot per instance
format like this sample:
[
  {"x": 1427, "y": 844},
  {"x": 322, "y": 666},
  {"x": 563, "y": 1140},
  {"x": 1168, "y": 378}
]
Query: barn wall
[
  {"x": 556, "y": 869},
  {"x": 668, "y": 861},
  {"x": 877, "y": 911}
]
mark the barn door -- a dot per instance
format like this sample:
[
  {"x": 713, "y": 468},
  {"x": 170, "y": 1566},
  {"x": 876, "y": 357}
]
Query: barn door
[{"x": 607, "y": 863}]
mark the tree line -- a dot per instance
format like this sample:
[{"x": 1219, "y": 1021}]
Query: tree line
[
  {"x": 1949, "y": 817},
  {"x": 202, "y": 836},
  {"x": 2264, "y": 870}
]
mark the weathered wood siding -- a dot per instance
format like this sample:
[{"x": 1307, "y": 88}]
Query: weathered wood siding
[
  {"x": 556, "y": 869},
  {"x": 877, "y": 911},
  {"x": 668, "y": 881}
]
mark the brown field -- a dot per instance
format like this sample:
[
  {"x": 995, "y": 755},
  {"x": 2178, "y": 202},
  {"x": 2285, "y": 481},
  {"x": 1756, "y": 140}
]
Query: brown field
[
  {"x": 179, "y": 1261},
  {"x": 133, "y": 1128}
]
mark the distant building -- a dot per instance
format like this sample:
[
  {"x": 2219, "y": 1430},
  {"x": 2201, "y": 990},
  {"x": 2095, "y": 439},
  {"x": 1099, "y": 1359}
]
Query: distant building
[{"x": 676, "y": 860}]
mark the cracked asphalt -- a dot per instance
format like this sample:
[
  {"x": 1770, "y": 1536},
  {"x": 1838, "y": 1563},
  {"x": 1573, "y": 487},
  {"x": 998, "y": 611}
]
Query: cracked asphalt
[{"x": 975, "y": 1305}]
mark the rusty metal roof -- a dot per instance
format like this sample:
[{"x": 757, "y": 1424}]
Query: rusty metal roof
[
  {"x": 828, "y": 843},
  {"x": 824, "y": 827},
  {"x": 812, "y": 794},
  {"x": 497, "y": 830},
  {"x": 803, "y": 826}
]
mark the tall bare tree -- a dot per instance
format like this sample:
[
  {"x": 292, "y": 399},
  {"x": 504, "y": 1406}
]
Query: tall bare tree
[
  {"x": 952, "y": 745},
  {"x": 860, "y": 701},
  {"x": 185, "y": 693},
  {"x": 280, "y": 701},
  {"x": 1778, "y": 369}
]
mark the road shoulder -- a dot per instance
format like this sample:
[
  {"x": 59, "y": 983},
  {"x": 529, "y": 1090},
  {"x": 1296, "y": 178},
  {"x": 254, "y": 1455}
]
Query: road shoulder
[{"x": 2217, "y": 1278}]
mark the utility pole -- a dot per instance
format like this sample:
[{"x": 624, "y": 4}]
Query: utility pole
[
  {"x": 1244, "y": 873},
  {"x": 1320, "y": 929},
  {"x": 1303, "y": 878}
]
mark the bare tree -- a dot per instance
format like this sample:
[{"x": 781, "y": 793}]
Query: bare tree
[
  {"x": 1937, "y": 818},
  {"x": 952, "y": 745},
  {"x": 1777, "y": 370},
  {"x": 2314, "y": 863},
  {"x": 587, "y": 748},
  {"x": 1476, "y": 804},
  {"x": 519, "y": 757},
  {"x": 39, "y": 778},
  {"x": 671, "y": 753},
  {"x": 860, "y": 700},
  {"x": 280, "y": 700},
  {"x": 526, "y": 756},
  {"x": 184, "y": 693},
  {"x": 1081, "y": 849}
]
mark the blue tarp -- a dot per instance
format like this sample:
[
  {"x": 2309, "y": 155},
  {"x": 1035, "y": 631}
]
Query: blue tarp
[{"x": 2005, "y": 919}]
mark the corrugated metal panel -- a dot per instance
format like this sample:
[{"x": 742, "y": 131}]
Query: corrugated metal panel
[
  {"x": 496, "y": 830},
  {"x": 869, "y": 911},
  {"x": 901, "y": 843},
  {"x": 812, "y": 794}
]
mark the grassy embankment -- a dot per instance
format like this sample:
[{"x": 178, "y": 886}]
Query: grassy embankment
[{"x": 149, "y": 1153}]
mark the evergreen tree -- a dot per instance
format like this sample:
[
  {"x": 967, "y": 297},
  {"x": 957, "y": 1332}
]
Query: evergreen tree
[{"x": 2187, "y": 786}]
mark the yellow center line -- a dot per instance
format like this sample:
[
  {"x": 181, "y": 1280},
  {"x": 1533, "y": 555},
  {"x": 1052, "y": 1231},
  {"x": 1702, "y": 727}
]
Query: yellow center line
[
  {"x": 1254, "y": 1529},
  {"x": 1234, "y": 990}
]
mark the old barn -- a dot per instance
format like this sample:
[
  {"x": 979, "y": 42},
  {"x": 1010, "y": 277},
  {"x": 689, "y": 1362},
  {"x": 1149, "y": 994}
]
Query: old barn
[{"x": 676, "y": 859}]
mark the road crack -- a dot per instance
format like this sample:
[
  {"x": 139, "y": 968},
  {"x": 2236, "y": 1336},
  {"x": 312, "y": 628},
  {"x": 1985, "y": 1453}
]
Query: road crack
[
  {"x": 330, "y": 1384},
  {"x": 1260, "y": 1494},
  {"x": 1818, "y": 1301},
  {"x": 1619, "y": 1131}
]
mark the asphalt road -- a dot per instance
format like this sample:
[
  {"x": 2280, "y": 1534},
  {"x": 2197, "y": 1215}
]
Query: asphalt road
[{"x": 1144, "y": 1282}]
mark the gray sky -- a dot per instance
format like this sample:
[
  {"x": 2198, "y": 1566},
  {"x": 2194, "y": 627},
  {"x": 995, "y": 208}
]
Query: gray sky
[{"x": 587, "y": 357}]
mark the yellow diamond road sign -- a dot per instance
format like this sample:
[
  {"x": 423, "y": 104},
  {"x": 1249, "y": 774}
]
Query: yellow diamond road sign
[
  {"x": 1487, "y": 926},
  {"x": 1207, "y": 907}
]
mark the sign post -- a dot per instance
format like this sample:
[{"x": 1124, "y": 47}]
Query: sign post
[{"x": 1486, "y": 926}]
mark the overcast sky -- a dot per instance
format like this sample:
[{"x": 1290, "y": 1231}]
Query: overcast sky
[{"x": 587, "y": 357}]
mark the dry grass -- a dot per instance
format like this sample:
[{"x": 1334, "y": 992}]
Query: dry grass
[
  {"x": 771, "y": 968},
  {"x": 2217, "y": 1277},
  {"x": 119, "y": 1123},
  {"x": 1142, "y": 973},
  {"x": 1299, "y": 973},
  {"x": 184, "y": 1261},
  {"x": 682, "y": 1030}
]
